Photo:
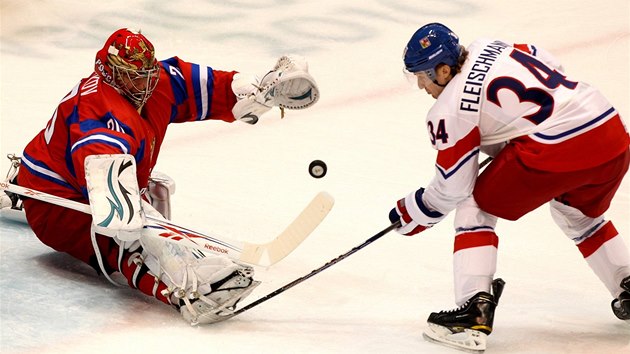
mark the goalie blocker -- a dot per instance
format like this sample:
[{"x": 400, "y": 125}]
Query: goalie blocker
[{"x": 288, "y": 85}]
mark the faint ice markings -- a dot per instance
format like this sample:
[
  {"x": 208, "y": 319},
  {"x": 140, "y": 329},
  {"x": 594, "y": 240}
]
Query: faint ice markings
[
  {"x": 342, "y": 23},
  {"x": 272, "y": 26},
  {"x": 256, "y": 4},
  {"x": 424, "y": 10}
]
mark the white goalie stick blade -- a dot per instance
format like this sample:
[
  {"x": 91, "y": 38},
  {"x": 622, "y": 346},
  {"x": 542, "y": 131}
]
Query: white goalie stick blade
[
  {"x": 467, "y": 340},
  {"x": 264, "y": 254}
]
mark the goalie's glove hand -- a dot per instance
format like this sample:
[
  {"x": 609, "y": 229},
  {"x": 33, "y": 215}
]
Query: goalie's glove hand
[
  {"x": 288, "y": 85},
  {"x": 413, "y": 214}
]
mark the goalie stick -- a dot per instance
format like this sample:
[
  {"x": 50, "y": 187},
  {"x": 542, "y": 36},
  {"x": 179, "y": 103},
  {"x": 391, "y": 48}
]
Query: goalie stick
[{"x": 260, "y": 254}]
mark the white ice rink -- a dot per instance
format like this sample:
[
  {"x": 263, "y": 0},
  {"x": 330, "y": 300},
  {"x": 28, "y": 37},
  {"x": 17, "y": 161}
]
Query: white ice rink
[{"x": 248, "y": 182}]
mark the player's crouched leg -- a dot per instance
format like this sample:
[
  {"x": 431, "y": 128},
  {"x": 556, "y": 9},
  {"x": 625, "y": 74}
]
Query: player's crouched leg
[{"x": 205, "y": 288}]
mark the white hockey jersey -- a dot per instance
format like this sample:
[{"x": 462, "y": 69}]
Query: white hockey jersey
[{"x": 503, "y": 93}]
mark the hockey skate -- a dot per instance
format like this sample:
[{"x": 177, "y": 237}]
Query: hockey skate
[
  {"x": 467, "y": 327},
  {"x": 621, "y": 305},
  {"x": 220, "y": 303},
  {"x": 10, "y": 203}
]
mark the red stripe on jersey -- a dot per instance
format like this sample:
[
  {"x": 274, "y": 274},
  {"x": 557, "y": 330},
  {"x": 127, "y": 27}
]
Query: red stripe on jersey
[
  {"x": 475, "y": 239},
  {"x": 594, "y": 147},
  {"x": 403, "y": 211},
  {"x": 593, "y": 243},
  {"x": 448, "y": 158},
  {"x": 523, "y": 48}
]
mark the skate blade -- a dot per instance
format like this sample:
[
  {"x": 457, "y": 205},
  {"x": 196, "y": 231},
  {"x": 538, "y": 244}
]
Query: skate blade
[{"x": 470, "y": 341}]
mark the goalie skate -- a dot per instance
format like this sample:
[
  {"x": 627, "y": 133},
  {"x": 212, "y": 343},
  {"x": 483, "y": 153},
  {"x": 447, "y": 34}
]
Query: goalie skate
[
  {"x": 10, "y": 203},
  {"x": 220, "y": 303},
  {"x": 467, "y": 327}
]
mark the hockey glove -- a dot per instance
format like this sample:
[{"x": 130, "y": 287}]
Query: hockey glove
[
  {"x": 288, "y": 85},
  {"x": 413, "y": 214}
]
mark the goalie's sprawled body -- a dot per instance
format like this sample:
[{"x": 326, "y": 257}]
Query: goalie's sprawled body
[{"x": 101, "y": 145}]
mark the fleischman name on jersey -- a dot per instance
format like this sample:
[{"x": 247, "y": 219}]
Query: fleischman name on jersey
[{"x": 474, "y": 81}]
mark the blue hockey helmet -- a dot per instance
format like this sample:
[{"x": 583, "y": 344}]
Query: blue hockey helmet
[{"x": 432, "y": 44}]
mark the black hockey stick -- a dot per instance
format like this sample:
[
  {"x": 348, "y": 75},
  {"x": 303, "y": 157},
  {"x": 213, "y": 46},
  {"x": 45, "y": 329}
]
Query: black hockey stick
[
  {"x": 486, "y": 161},
  {"x": 316, "y": 271}
]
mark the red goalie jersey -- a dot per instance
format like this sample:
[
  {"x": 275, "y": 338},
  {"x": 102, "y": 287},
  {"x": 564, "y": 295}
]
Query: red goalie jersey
[{"x": 96, "y": 119}]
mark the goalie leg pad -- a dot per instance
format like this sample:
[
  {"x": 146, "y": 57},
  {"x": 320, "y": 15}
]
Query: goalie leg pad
[
  {"x": 114, "y": 196},
  {"x": 205, "y": 288}
]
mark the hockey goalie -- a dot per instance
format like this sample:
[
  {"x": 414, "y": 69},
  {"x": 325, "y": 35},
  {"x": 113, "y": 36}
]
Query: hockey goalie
[{"x": 101, "y": 146}]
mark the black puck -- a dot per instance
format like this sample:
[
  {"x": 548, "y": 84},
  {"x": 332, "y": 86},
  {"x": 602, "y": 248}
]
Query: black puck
[{"x": 317, "y": 169}]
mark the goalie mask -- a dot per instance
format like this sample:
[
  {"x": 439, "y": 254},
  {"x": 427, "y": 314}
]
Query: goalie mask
[
  {"x": 127, "y": 62},
  {"x": 431, "y": 45}
]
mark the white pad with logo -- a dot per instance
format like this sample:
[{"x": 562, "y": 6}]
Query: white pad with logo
[{"x": 114, "y": 196}]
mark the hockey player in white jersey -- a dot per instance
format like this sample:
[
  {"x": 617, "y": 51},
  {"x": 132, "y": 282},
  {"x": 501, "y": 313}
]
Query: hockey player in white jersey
[{"x": 554, "y": 140}]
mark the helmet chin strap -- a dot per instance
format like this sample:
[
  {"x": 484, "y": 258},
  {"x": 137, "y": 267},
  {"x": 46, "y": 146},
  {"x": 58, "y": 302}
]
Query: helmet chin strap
[{"x": 437, "y": 83}]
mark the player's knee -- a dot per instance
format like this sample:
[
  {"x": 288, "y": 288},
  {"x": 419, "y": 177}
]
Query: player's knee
[
  {"x": 470, "y": 216},
  {"x": 573, "y": 222}
]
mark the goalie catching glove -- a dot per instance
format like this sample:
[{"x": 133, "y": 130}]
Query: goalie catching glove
[
  {"x": 414, "y": 215},
  {"x": 288, "y": 85}
]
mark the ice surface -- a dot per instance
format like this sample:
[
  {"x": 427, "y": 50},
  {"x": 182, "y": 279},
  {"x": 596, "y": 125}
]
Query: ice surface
[{"x": 248, "y": 182}]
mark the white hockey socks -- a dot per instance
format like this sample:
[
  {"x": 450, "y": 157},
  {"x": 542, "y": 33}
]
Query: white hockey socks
[
  {"x": 607, "y": 255},
  {"x": 474, "y": 263},
  {"x": 598, "y": 241}
]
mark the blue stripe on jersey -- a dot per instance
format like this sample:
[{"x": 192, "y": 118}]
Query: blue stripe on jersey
[
  {"x": 68, "y": 159},
  {"x": 454, "y": 170},
  {"x": 209, "y": 88},
  {"x": 140, "y": 153},
  {"x": 198, "y": 90},
  {"x": 475, "y": 228},
  {"x": 576, "y": 129},
  {"x": 103, "y": 138},
  {"x": 108, "y": 121},
  {"x": 173, "y": 113},
  {"x": 41, "y": 170},
  {"x": 178, "y": 84}
]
